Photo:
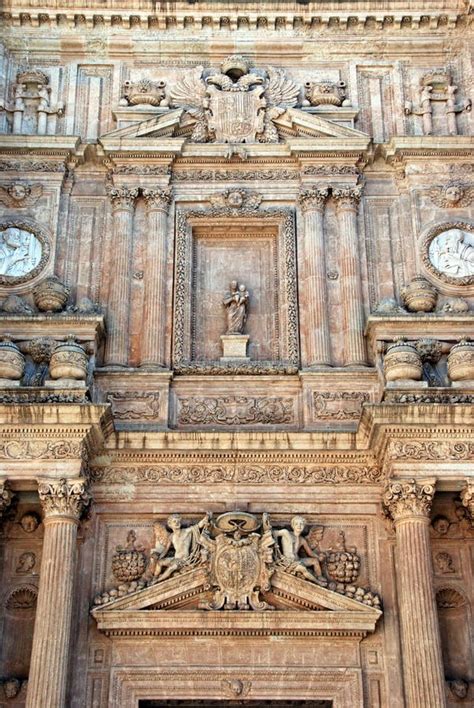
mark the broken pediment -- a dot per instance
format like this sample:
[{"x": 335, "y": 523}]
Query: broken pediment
[
  {"x": 235, "y": 574},
  {"x": 175, "y": 607}
]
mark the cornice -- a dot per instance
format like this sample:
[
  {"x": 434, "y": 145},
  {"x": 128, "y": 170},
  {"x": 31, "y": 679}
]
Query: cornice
[{"x": 428, "y": 147}]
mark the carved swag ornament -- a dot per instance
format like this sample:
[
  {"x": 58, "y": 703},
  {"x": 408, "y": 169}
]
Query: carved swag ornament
[
  {"x": 240, "y": 553},
  {"x": 236, "y": 104}
]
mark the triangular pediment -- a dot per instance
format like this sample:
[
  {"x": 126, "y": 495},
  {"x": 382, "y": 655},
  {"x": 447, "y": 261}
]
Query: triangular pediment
[
  {"x": 293, "y": 123},
  {"x": 176, "y": 604}
]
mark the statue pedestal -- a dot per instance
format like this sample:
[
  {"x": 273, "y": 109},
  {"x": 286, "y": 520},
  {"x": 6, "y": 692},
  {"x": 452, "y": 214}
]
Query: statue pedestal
[{"x": 234, "y": 347}]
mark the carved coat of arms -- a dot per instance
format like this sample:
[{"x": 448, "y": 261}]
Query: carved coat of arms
[{"x": 236, "y": 104}]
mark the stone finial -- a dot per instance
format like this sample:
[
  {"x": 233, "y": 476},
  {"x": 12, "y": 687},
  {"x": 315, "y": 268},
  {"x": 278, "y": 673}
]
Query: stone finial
[
  {"x": 408, "y": 497},
  {"x": 122, "y": 197},
  {"x": 347, "y": 198},
  {"x": 64, "y": 497},
  {"x": 6, "y": 497},
  {"x": 313, "y": 198},
  {"x": 157, "y": 198}
]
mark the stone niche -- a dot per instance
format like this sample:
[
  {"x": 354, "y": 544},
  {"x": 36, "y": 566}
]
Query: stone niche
[{"x": 258, "y": 251}]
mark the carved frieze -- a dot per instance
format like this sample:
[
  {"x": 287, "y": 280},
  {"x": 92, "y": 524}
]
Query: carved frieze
[
  {"x": 238, "y": 473},
  {"x": 7, "y": 165},
  {"x": 24, "y": 449},
  {"x": 220, "y": 175},
  {"x": 235, "y": 410},
  {"x": 339, "y": 405},
  {"x": 139, "y": 405},
  {"x": 455, "y": 450}
]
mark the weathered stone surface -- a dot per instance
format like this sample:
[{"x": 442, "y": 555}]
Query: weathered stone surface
[{"x": 318, "y": 154}]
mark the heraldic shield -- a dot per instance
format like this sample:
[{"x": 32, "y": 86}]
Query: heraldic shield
[{"x": 236, "y": 116}]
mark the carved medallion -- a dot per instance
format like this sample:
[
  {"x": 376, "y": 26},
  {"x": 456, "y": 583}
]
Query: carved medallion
[
  {"x": 447, "y": 251},
  {"x": 24, "y": 251}
]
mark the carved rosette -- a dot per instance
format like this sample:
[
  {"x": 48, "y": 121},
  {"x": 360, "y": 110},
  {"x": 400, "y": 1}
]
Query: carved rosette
[
  {"x": 347, "y": 198},
  {"x": 157, "y": 199},
  {"x": 6, "y": 497},
  {"x": 122, "y": 198},
  {"x": 313, "y": 199},
  {"x": 405, "y": 499},
  {"x": 64, "y": 498}
]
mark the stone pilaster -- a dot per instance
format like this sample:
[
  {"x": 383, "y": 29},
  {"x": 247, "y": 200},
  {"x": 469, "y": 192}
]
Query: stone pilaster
[
  {"x": 408, "y": 502},
  {"x": 347, "y": 202},
  {"x": 123, "y": 205},
  {"x": 467, "y": 496},
  {"x": 63, "y": 502},
  {"x": 317, "y": 348},
  {"x": 154, "y": 306}
]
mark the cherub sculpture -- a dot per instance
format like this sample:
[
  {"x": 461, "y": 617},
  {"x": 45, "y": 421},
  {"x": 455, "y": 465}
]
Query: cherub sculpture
[
  {"x": 183, "y": 540},
  {"x": 290, "y": 545}
]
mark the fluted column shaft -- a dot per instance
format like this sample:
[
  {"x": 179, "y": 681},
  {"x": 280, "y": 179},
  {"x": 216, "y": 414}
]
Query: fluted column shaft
[
  {"x": 123, "y": 203},
  {"x": 347, "y": 202},
  {"x": 317, "y": 349},
  {"x": 408, "y": 503},
  {"x": 62, "y": 503},
  {"x": 154, "y": 305}
]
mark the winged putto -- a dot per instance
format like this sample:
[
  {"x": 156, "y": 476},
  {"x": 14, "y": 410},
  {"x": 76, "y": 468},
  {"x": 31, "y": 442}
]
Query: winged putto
[{"x": 236, "y": 104}]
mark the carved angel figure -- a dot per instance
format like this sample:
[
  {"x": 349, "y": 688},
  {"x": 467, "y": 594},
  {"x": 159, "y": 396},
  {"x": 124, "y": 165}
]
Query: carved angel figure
[
  {"x": 290, "y": 545},
  {"x": 452, "y": 195},
  {"x": 236, "y": 104},
  {"x": 20, "y": 195},
  {"x": 185, "y": 541}
]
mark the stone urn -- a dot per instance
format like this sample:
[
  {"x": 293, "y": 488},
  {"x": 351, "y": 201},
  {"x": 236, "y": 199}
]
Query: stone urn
[
  {"x": 419, "y": 295},
  {"x": 402, "y": 362},
  {"x": 51, "y": 295},
  {"x": 461, "y": 361},
  {"x": 324, "y": 93},
  {"x": 68, "y": 361},
  {"x": 12, "y": 361}
]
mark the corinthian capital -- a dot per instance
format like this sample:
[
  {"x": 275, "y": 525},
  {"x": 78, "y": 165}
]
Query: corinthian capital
[
  {"x": 347, "y": 198},
  {"x": 6, "y": 497},
  {"x": 408, "y": 497},
  {"x": 63, "y": 497},
  {"x": 313, "y": 198},
  {"x": 122, "y": 197},
  {"x": 157, "y": 198}
]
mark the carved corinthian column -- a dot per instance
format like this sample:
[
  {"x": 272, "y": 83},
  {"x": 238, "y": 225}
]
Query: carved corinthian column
[
  {"x": 316, "y": 348},
  {"x": 63, "y": 502},
  {"x": 347, "y": 202},
  {"x": 123, "y": 203},
  {"x": 409, "y": 502},
  {"x": 154, "y": 320}
]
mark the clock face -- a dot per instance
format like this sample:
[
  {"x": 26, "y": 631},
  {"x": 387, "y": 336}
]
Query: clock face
[
  {"x": 451, "y": 252},
  {"x": 20, "y": 252}
]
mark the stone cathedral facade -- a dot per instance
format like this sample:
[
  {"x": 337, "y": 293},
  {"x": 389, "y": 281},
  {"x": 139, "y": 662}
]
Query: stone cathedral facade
[{"x": 236, "y": 373}]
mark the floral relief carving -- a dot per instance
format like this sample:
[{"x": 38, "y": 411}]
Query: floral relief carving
[
  {"x": 217, "y": 175},
  {"x": 238, "y": 474},
  {"x": 157, "y": 198},
  {"x": 64, "y": 498},
  {"x": 31, "y": 166},
  {"x": 40, "y": 449},
  {"x": 405, "y": 498},
  {"x": 313, "y": 198},
  {"x": 235, "y": 410},
  {"x": 123, "y": 197},
  {"x": 344, "y": 405},
  {"x": 141, "y": 405},
  {"x": 431, "y": 450}
]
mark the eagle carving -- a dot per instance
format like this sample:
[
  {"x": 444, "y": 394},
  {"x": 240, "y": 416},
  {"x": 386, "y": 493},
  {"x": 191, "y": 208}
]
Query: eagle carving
[{"x": 236, "y": 104}]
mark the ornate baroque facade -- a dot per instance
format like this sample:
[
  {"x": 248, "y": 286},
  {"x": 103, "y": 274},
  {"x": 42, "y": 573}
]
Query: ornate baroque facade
[{"x": 236, "y": 379}]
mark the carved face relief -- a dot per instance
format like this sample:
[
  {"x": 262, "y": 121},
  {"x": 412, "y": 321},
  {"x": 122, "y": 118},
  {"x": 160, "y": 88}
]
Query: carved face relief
[
  {"x": 18, "y": 191},
  {"x": 453, "y": 193},
  {"x": 441, "y": 525},
  {"x": 235, "y": 199},
  {"x": 29, "y": 522},
  {"x": 20, "y": 252},
  {"x": 26, "y": 562},
  {"x": 452, "y": 253}
]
